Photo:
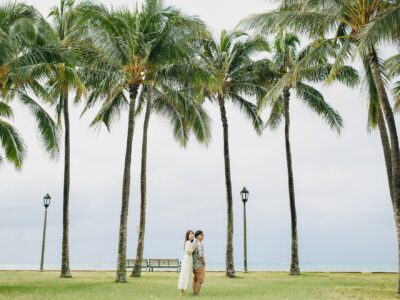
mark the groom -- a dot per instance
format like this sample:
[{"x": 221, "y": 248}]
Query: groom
[{"x": 199, "y": 263}]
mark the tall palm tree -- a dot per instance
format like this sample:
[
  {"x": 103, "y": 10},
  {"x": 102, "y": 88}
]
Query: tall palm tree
[
  {"x": 21, "y": 51},
  {"x": 185, "y": 116},
  {"x": 230, "y": 64},
  {"x": 172, "y": 95},
  {"x": 383, "y": 26},
  {"x": 286, "y": 55},
  {"x": 63, "y": 76},
  {"x": 357, "y": 27},
  {"x": 128, "y": 49}
]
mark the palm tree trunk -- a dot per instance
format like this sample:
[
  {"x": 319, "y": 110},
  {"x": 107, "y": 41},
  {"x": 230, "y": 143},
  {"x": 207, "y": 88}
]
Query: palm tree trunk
[
  {"x": 121, "y": 265},
  {"x": 230, "y": 268},
  {"x": 386, "y": 151},
  {"x": 137, "y": 269},
  {"x": 65, "y": 269},
  {"x": 388, "y": 163},
  {"x": 294, "y": 266},
  {"x": 394, "y": 147}
]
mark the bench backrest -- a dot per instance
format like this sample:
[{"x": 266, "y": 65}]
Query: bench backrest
[
  {"x": 131, "y": 262},
  {"x": 173, "y": 263}
]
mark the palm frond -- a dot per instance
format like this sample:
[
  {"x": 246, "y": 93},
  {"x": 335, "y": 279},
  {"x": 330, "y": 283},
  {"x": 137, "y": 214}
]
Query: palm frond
[
  {"x": 12, "y": 144},
  {"x": 384, "y": 28},
  {"x": 249, "y": 109},
  {"x": 373, "y": 104},
  {"x": 5, "y": 110},
  {"x": 313, "y": 23},
  {"x": 314, "y": 99},
  {"x": 111, "y": 109},
  {"x": 275, "y": 116},
  {"x": 48, "y": 129},
  {"x": 396, "y": 96}
]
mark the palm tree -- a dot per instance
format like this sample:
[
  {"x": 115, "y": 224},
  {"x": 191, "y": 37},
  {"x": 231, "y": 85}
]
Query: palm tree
[
  {"x": 230, "y": 65},
  {"x": 357, "y": 27},
  {"x": 128, "y": 50},
  {"x": 185, "y": 116},
  {"x": 21, "y": 51},
  {"x": 172, "y": 95},
  {"x": 384, "y": 26},
  {"x": 285, "y": 59},
  {"x": 62, "y": 77}
]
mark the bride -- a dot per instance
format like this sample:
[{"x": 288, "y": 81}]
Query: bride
[{"x": 187, "y": 263}]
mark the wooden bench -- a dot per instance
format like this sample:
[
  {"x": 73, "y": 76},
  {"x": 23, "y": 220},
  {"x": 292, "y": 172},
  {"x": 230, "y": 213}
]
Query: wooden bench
[
  {"x": 164, "y": 264},
  {"x": 130, "y": 263}
]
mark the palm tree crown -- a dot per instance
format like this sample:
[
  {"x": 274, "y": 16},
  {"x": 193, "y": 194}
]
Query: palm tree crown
[{"x": 22, "y": 53}]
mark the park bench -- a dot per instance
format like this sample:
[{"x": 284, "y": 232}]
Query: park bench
[
  {"x": 130, "y": 263},
  {"x": 164, "y": 264}
]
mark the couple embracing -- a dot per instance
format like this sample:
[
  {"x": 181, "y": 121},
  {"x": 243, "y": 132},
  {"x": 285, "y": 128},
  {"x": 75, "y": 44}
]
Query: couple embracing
[{"x": 192, "y": 263}]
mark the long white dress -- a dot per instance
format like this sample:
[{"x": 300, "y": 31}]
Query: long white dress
[{"x": 185, "y": 276}]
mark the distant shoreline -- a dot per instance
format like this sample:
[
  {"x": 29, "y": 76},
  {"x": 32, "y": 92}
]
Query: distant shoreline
[
  {"x": 213, "y": 271},
  {"x": 216, "y": 267}
]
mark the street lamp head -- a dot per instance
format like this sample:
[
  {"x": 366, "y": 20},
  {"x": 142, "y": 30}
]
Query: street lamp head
[
  {"x": 46, "y": 200},
  {"x": 245, "y": 195}
]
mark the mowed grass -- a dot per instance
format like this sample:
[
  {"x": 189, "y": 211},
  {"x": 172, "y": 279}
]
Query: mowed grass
[{"x": 162, "y": 285}]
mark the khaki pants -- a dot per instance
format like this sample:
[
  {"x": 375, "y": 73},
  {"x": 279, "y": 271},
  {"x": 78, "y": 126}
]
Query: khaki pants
[{"x": 198, "y": 279}]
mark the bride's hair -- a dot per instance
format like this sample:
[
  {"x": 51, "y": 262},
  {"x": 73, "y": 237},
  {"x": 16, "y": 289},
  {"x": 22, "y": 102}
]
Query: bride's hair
[{"x": 187, "y": 236}]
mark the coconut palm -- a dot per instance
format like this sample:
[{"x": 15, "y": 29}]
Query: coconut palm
[
  {"x": 383, "y": 26},
  {"x": 21, "y": 50},
  {"x": 231, "y": 68},
  {"x": 286, "y": 55},
  {"x": 169, "y": 91},
  {"x": 185, "y": 116},
  {"x": 128, "y": 50},
  {"x": 357, "y": 27},
  {"x": 62, "y": 77}
]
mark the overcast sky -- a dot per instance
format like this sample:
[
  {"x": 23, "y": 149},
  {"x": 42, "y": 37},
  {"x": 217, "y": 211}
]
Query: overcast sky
[{"x": 343, "y": 205}]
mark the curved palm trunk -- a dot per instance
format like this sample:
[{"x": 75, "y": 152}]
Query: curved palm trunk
[
  {"x": 65, "y": 270},
  {"x": 230, "y": 269},
  {"x": 137, "y": 269},
  {"x": 386, "y": 151},
  {"x": 121, "y": 264},
  {"x": 294, "y": 266},
  {"x": 394, "y": 147}
]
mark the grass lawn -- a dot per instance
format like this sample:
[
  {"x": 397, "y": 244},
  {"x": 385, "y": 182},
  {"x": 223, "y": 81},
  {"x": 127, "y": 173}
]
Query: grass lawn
[{"x": 162, "y": 285}]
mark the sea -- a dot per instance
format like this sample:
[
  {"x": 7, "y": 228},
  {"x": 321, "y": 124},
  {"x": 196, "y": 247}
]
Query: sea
[{"x": 284, "y": 267}]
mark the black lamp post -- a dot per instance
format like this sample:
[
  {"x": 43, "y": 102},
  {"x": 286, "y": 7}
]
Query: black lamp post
[
  {"x": 245, "y": 197},
  {"x": 46, "y": 203}
]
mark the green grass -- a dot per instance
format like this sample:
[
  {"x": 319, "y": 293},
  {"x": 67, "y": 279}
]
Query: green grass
[{"x": 162, "y": 285}]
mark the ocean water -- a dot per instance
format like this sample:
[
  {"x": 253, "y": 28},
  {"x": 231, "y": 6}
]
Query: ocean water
[{"x": 109, "y": 266}]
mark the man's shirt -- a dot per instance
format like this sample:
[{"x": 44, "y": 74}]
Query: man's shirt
[{"x": 197, "y": 254}]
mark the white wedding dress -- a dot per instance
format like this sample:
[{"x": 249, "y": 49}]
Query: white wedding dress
[{"x": 185, "y": 277}]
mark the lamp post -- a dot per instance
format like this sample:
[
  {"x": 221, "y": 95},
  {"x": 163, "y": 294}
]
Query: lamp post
[
  {"x": 245, "y": 196},
  {"x": 46, "y": 203}
]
